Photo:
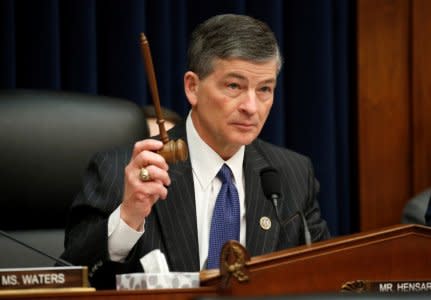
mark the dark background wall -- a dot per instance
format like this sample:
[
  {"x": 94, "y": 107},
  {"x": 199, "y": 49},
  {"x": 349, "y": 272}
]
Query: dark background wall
[{"x": 92, "y": 46}]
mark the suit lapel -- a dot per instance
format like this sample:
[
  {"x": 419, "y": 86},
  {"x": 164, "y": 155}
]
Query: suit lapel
[
  {"x": 258, "y": 240},
  {"x": 177, "y": 216}
]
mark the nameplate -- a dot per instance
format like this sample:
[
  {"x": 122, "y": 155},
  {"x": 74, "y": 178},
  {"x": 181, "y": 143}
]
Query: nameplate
[
  {"x": 388, "y": 286},
  {"x": 53, "y": 277}
]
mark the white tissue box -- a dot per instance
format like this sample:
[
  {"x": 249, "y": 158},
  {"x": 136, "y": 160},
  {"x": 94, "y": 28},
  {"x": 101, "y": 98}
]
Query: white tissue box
[{"x": 175, "y": 280}]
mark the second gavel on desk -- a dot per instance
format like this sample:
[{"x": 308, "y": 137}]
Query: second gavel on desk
[{"x": 172, "y": 151}]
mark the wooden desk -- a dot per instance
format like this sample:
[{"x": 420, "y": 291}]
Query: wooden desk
[{"x": 401, "y": 252}]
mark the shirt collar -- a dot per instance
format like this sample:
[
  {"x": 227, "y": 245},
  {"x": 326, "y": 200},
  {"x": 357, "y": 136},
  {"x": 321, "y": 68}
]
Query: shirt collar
[{"x": 206, "y": 162}]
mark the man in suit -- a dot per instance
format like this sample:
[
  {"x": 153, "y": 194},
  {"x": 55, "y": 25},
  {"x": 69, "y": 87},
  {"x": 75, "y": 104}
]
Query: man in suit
[
  {"x": 414, "y": 211},
  {"x": 132, "y": 202}
]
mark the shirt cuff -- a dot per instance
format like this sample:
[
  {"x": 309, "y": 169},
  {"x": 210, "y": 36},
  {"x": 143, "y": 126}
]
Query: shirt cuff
[{"x": 121, "y": 237}]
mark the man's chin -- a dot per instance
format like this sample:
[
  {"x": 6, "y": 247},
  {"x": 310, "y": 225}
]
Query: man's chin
[{"x": 245, "y": 139}]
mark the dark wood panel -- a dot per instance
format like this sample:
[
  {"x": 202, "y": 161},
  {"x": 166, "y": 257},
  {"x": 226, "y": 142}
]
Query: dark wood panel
[
  {"x": 383, "y": 110},
  {"x": 390, "y": 253},
  {"x": 421, "y": 118}
]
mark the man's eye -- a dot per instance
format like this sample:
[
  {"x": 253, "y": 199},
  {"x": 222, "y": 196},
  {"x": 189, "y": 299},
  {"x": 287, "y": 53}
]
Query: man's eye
[
  {"x": 233, "y": 86},
  {"x": 266, "y": 89}
]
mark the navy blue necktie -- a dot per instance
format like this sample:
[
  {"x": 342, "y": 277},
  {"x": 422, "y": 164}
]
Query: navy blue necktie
[{"x": 225, "y": 220}]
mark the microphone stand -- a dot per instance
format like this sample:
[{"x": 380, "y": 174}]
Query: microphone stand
[{"x": 59, "y": 260}]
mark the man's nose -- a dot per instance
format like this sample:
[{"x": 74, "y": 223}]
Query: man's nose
[{"x": 249, "y": 102}]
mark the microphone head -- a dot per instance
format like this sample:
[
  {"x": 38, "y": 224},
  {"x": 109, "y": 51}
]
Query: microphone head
[{"x": 271, "y": 183}]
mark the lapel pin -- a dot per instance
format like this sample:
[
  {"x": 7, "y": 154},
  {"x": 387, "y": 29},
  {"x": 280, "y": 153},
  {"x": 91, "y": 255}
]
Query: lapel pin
[{"x": 265, "y": 223}]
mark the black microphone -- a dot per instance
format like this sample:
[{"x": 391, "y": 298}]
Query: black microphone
[
  {"x": 271, "y": 186},
  {"x": 60, "y": 261}
]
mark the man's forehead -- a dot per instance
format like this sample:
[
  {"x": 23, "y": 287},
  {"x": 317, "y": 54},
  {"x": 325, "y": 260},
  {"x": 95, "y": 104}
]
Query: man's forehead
[
  {"x": 244, "y": 69},
  {"x": 236, "y": 60},
  {"x": 241, "y": 76}
]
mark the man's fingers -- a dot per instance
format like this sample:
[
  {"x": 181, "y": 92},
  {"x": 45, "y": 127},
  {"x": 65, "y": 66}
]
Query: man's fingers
[
  {"x": 147, "y": 158},
  {"x": 157, "y": 174},
  {"x": 147, "y": 144}
]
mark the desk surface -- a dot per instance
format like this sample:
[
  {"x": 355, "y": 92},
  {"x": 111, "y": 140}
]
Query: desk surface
[
  {"x": 70, "y": 294},
  {"x": 399, "y": 252}
]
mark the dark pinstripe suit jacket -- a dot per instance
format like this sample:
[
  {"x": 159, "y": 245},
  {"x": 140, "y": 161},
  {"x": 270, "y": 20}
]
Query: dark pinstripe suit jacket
[{"x": 171, "y": 226}]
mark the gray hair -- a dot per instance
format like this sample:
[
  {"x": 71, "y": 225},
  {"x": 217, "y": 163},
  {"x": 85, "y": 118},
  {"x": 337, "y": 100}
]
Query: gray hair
[{"x": 231, "y": 36}]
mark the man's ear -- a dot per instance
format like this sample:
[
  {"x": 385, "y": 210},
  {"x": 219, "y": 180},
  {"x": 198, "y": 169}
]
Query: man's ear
[{"x": 191, "y": 86}]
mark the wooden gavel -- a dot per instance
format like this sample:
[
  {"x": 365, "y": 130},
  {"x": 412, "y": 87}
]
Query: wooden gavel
[{"x": 172, "y": 151}]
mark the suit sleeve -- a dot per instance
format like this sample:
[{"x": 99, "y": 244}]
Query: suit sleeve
[{"x": 86, "y": 239}]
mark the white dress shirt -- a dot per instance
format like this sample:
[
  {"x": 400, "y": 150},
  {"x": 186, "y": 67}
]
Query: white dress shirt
[{"x": 205, "y": 165}]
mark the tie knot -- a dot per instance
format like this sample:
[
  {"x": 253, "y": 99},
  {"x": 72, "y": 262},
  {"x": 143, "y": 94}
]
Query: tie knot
[{"x": 225, "y": 174}]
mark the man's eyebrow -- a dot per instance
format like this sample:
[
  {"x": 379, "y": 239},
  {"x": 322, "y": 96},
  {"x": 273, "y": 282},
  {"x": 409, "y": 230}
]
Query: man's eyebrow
[{"x": 271, "y": 80}]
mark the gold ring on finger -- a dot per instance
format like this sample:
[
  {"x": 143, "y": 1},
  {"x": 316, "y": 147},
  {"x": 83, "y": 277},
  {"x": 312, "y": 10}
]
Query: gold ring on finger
[{"x": 144, "y": 175}]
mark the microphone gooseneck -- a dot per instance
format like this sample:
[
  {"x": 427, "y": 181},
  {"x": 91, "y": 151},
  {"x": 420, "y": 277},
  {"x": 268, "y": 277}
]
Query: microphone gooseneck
[
  {"x": 58, "y": 260},
  {"x": 307, "y": 235}
]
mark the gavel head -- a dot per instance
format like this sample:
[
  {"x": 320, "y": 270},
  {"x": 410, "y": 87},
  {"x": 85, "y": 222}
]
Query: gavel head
[{"x": 174, "y": 151}]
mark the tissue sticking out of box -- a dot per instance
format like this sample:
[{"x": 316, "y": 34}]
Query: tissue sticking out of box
[{"x": 154, "y": 262}]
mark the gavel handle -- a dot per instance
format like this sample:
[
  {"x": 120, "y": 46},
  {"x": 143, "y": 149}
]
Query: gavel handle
[
  {"x": 171, "y": 151},
  {"x": 149, "y": 67}
]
